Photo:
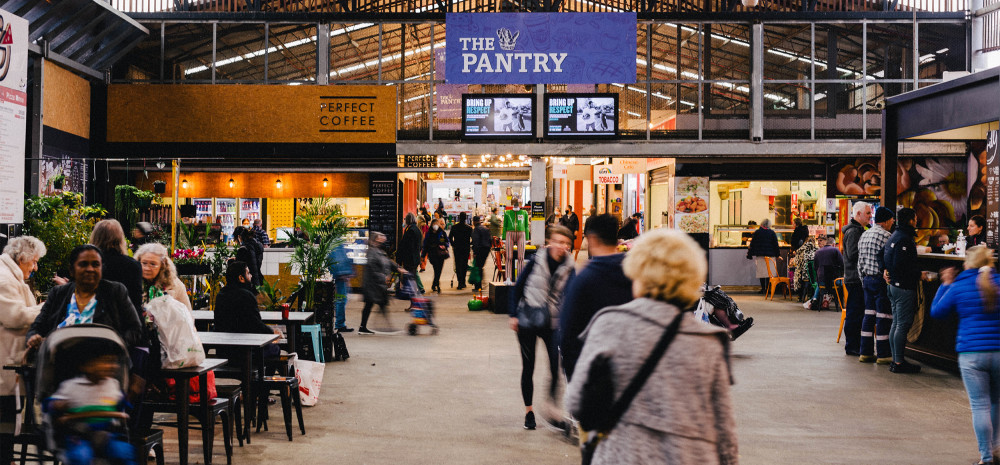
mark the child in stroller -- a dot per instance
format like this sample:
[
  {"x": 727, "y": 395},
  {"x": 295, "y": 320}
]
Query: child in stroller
[
  {"x": 84, "y": 418},
  {"x": 721, "y": 310}
]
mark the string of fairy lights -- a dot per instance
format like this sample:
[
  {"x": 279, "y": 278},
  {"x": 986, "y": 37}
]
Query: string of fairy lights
[{"x": 483, "y": 161}]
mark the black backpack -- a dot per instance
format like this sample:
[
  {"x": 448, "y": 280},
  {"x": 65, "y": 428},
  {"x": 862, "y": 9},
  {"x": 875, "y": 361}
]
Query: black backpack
[{"x": 339, "y": 348}]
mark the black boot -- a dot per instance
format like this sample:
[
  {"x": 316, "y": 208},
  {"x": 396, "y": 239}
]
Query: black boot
[{"x": 763, "y": 286}]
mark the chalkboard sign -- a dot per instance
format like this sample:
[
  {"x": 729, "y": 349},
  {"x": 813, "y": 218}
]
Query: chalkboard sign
[
  {"x": 993, "y": 189},
  {"x": 382, "y": 207},
  {"x": 538, "y": 211}
]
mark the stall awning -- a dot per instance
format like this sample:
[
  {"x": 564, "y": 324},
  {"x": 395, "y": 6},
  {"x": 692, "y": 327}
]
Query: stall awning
[{"x": 961, "y": 109}]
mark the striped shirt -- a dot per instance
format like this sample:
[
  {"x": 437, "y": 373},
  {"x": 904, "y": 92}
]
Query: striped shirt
[{"x": 870, "y": 262}]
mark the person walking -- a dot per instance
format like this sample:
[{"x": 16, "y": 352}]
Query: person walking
[
  {"x": 435, "y": 249},
  {"x": 763, "y": 244},
  {"x": 408, "y": 253},
  {"x": 600, "y": 284},
  {"x": 341, "y": 269},
  {"x": 974, "y": 295},
  {"x": 904, "y": 276},
  {"x": 534, "y": 311},
  {"x": 374, "y": 286},
  {"x": 861, "y": 215},
  {"x": 878, "y": 311},
  {"x": 460, "y": 238},
  {"x": 682, "y": 414},
  {"x": 572, "y": 222},
  {"x": 18, "y": 309},
  {"x": 481, "y": 244}
]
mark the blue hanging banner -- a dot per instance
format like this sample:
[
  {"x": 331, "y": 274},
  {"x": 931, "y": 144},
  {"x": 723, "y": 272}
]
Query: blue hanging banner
[{"x": 540, "y": 48}]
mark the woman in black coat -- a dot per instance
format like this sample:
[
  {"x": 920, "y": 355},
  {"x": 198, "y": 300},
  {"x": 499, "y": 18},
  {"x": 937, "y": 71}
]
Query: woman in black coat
[
  {"x": 764, "y": 243},
  {"x": 88, "y": 299},
  {"x": 436, "y": 250}
]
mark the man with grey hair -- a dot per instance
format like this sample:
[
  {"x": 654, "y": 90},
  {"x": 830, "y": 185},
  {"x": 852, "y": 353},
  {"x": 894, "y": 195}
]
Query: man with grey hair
[{"x": 861, "y": 216}]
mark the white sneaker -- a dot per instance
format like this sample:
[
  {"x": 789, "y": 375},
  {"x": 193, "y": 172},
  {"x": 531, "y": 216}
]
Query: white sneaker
[{"x": 807, "y": 305}]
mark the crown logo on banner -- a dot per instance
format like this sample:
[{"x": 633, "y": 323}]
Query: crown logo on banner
[{"x": 507, "y": 40}]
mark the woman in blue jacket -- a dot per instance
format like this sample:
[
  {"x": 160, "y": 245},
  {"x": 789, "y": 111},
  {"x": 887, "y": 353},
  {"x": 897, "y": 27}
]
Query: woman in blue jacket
[{"x": 974, "y": 295}]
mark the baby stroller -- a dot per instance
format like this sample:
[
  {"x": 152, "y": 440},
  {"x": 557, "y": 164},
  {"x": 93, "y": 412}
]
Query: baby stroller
[
  {"x": 421, "y": 308},
  {"x": 59, "y": 359},
  {"x": 720, "y": 310}
]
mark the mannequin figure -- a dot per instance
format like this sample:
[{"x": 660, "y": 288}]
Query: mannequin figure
[{"x": 515, "y": 228}]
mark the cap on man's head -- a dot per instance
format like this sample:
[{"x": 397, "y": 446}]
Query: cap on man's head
[{"x": 883, "y": 214}]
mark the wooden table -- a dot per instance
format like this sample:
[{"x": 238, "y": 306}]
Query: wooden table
[
  {"x": 248, "y": 342},
  {"x": 182, "y": 376},
  {"x": 293, "y": 325}
]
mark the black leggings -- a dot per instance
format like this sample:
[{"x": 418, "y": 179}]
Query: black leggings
[
  {"x": 367, "y": 311},
  {"x": 438, "y": 265},
  {"x": 526, "y": 337}
]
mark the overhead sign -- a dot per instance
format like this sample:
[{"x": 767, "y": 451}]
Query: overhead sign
[
  {"x": 13, "y": 115},
  {"x": 540, "y": 48},
  {"x": 603, "y": 175},
  {"x": 628, "y": 165},
  {"x": 251, "y": 113},
  {"x": 559, "y": 171}
]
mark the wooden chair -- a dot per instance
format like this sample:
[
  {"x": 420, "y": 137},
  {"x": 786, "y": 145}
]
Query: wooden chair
[
  {"x": 838, "y": 288},
  {"x": 774, "y": 280}
]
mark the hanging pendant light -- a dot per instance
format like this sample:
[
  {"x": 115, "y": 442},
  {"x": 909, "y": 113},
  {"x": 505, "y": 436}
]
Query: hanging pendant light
[
  {"x": 325, "y": 181},
  {"x": 278, "y": 183},
  {"x": 184, "y": 184}
]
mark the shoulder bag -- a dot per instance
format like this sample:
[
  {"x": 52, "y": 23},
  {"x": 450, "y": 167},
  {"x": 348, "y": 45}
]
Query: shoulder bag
[{"x": 603, "y": 412}]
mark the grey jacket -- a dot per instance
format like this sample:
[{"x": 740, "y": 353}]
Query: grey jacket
[
  {"x": 377, "y": 271},
  {"x": 683, "y": 414},
  {"x": 852, "y": 234}
]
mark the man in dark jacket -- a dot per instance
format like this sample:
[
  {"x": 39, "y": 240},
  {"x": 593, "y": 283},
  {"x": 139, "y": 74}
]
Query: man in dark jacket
[
  {"x": 408, "y": 253},
  {"x": 236, "y": 308},
  {"x": 903, "y": 275},
  {"x": 571, "y": 222},
  {"x": 461, "y": 241},
  {"x": 763, "y": 243},
  {"x": 861, "y": 215},
  {"x": 247, "y": 254},
  {"x": 481, "y": 244},
  {"x": 799, "y": 235},
  {"x": 602, "y": 283}
]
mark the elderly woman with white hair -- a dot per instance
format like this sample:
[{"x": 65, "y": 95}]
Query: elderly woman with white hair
[
  {"x": 159, "y": 276},
  {"x": 682, "y": 413}
]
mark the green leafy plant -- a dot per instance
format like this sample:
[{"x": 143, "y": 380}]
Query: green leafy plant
[
  {"x": 61, "y": 222},
  {"x": 324, "y": 226},
  {"x": 57, "y": 180},
  {"x": 217, "y": 261},
  {"x": 273, "y": 294},
  {"x": 128, "y": 201}
]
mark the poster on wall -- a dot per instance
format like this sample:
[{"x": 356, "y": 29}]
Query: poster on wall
[
  {"x": 448, "y": 97},
  {"x": 691, "y": 210},
  {"x": 855, "y": 178},
  {"x": 937, "y": 189},
  {"x": 540, "y": 48},
  {"x": 13, "y": 115},
  {"x": 993, "y": 189}
]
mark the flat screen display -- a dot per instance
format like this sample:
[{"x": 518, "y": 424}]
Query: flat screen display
[
  {"x": 497, "y": 116},
  {"x": 581, "y": 115}
]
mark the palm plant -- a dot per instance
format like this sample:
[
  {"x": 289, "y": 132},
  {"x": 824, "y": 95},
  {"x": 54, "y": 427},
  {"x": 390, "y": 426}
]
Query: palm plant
[{"x": 324, "y": 228}]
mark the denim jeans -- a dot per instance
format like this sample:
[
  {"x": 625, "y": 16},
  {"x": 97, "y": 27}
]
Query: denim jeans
[
  {"x": 981, "y": 375},
  {"x": 904, "y": 306},
  {"x": 340, "y": 304},
  {"x": 877, "y": 318}
]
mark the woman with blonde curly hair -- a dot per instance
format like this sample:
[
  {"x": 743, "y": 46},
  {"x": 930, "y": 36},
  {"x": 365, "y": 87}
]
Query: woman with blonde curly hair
[
  {"x": 974, "y": 295},
  {"x": 683, "y": 412},
  {"x": 159, "y": 275}
]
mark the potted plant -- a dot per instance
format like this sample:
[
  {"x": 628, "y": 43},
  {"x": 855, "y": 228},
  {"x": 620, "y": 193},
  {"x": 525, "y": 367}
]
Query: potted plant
[
  {"x": 190, "y": 261},
  {"x": 129, "y": 200},
  {"x": 57, "y": 181},
  {"x": 61, "y": 222},
  {"x": 325, "y": 226},
  {"x": 217, "y": 263},
  {"x": 272, "y": 295}
]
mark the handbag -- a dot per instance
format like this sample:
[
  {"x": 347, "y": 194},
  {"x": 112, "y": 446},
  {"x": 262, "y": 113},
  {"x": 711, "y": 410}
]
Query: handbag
[
  {"x": 442, "y": 252},
  {"x": 602, "y": 412}
]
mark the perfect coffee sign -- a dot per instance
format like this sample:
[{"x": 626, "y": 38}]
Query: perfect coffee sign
[{"x": 540, "y": 48}]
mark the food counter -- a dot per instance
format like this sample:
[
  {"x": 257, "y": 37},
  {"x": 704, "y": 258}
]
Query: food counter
[
  {"x": 727, "y": 257},
  {"x": 930, "y": 340}
]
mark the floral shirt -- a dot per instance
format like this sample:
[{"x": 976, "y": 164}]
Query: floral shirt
[
  {"x": 802, "y": 256},
  {"x": 75, "y": 316}
]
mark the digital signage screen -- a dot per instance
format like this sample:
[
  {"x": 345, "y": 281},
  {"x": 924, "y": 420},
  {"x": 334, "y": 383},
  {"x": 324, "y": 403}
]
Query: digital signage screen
[
  {"x": 581, "y": 116},
  {"x": 498, "y": 116}
]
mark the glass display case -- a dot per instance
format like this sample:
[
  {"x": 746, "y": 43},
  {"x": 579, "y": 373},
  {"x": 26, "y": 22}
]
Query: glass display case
[
  {"x": 737, "y": 235},
  {"x": 356, "y": 243}
]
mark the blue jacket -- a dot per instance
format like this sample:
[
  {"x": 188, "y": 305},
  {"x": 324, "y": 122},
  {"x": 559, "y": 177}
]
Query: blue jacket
[
  {"x": 900, "y": 256},
  {"x": 600, "y": 284},
  {"x": 978, "y": 331}
]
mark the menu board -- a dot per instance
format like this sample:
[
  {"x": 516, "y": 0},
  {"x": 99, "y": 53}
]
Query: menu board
[
  {"x": 992, "y": 190},
  {"x": 382, "y": 207},
  {"x": 691, "y": 210},
  {"x": 13, "y": 115},
  {"x": 498, "y": 116}
]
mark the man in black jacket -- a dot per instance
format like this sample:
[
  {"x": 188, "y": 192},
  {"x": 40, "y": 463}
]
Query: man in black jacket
[
  {"x": 236, "y": 308},
  {"x": 408, "y": 253},
  {"x": 571, "y": 222},
  {"x": 903, "y": 276},
  {"x": 461, "y": 241},
  {"x": 861, "y": 215},
  {"x": 481, "y": 244},
  {"x": 247, "y": 254}
]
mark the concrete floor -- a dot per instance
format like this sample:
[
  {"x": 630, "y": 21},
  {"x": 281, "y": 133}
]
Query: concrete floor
[{"x": 454, "y": 398}]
